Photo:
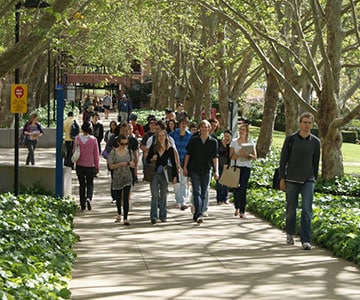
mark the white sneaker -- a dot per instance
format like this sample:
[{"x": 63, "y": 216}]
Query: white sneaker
[
  {"x": 306, "y": 246},
  {"x": 205, "y": 214},
  {"x": 290, "y": 239}
]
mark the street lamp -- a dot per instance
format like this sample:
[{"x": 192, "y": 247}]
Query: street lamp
[{"x": 27, "y": 4}]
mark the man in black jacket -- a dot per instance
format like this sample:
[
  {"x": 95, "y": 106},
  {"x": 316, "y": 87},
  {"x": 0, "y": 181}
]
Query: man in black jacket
[{"x": 299, "y": 167}]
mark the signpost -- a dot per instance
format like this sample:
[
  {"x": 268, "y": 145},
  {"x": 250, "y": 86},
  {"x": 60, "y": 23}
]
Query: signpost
[{"x": 18, "y": 98}]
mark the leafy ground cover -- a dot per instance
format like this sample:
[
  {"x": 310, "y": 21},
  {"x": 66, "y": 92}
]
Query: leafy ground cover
[{"x": 36, "y": 242}]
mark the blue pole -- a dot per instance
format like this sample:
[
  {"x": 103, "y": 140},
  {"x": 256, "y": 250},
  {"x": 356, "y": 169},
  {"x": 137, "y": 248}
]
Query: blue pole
[{"x": 59, "y": 95}]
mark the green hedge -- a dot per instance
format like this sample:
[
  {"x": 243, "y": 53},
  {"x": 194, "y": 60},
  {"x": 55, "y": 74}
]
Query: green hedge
[{"x": 36, "y": 255}]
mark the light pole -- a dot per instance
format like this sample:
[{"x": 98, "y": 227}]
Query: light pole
[{"x": 27, "y": 4}]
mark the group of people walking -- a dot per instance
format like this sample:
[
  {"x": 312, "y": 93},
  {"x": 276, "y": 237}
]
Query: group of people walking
[{"x": 179, "y": 155}]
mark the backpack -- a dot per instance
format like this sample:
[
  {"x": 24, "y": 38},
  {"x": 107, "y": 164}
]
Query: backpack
[{"x": 75, "y": 129}]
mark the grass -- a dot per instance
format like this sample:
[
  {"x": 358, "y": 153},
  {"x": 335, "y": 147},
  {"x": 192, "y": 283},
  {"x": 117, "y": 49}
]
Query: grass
[{"x": 351, "y": 158}]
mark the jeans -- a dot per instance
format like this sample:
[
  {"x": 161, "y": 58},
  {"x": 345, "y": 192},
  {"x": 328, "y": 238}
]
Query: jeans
[
  {"x": 222, "y": 191},
  {"x": 240, "y": 192},
  {"x": 200, "y": 185},
  {"x": 292, "y": 198},
  {"x": 122, "y": 197},
  {"x": 31, "y": 145},
  {"x": 180, "y": 189},
  {"x": 86, "y": 183},
  {"x": 158, "y": 187}
]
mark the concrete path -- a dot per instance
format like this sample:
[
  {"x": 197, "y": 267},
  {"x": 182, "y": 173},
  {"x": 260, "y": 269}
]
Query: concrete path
[{"x": 224, "y": 258}]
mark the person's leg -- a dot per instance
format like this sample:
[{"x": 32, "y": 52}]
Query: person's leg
[
  {"x": 205, "y": 196},
  {"x": 125, "y": 197},
  {"x": 292, "y": 196},
  {"x": 196, "y": 191},
  {"x": 204, "y": 183},
  {"x": 154, "y": 188},
  {"x": 163, "y": 197},
  {"x": 117, "y": 197},
  {"x": 81, "y": 177},
  {"x": 89, "y": 177},
  {"x": 244, "y": 179},
  {"x": 307, "y": 195}
]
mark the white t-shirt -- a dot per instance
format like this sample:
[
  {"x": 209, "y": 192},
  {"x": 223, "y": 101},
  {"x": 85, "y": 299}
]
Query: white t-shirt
[{"x": 240, "y": 162}]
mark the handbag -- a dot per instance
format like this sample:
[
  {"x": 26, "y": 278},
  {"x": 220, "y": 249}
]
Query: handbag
[
  {"x": 230, "y": 176},
  {"x": 149, "y": 171},
  {"x": 76, "y": 155},
  {"x": 105, "y": 154}
]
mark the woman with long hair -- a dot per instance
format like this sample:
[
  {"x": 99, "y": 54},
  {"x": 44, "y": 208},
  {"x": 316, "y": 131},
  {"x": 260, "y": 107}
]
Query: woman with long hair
[
  {"x": 87, "y": 165},
  {"x": 120, "y": 160},
  {"x": 242, "y": 152},
  {"x": 161, "y": 152},
  {"x": 32, "y": 130}
]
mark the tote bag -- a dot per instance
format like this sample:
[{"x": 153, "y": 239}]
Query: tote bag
[
  {"x": 149, "y": 171},
  {"x": 230, "y": 176},
  {"x": 76, "y": 155}
]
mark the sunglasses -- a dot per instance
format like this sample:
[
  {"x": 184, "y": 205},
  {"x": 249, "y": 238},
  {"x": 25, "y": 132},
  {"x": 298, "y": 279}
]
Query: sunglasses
[{"x": 124, "y": 144}]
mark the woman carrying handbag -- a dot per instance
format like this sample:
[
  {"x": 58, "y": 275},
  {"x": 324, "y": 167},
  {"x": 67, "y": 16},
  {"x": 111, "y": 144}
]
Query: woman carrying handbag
[
  {"x": 87, "y": 162},
  {"x": 242, "y": 152}
]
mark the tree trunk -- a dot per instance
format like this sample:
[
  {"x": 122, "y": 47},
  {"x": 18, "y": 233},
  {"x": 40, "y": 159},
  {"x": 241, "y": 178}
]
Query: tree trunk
[{"x": 267, "y": 124}]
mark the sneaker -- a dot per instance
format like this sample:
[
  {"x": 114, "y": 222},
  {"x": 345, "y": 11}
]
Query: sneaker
[
  {"x": 290, "y": 239},
  {"x": 199, "y": 220},
  {"x": 126, "y": 222},
  {"x": 205, "y": 214},
  {"x": 153, "y": 221},
  {"x": 88, "y": 203},
  {"x": 242, "y": 216},
  {"x": 113, "y": 201},
  {"x": 306, "y": 246}
]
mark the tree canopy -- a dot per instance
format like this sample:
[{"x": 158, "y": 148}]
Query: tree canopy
[{"x": 306, "y": 52}]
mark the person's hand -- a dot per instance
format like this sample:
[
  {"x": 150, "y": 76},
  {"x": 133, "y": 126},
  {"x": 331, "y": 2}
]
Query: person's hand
[
  {"x": 154, "y": 157},
  {"x": 216, "y": 175},
  {"x": 282, "y": 185},
  {"x": 185, "y": 172}
]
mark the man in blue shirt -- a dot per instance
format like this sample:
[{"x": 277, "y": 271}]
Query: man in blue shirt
[{"x": 181, "y": 138}]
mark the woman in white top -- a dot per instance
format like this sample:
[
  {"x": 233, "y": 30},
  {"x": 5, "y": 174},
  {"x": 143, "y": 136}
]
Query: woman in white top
[{"x": 242, "y": 152}]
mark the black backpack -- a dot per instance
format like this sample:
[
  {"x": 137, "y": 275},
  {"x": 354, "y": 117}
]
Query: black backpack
[{"x": 75, "y": 129}]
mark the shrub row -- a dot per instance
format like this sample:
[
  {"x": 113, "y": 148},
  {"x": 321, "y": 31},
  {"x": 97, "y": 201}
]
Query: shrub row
[{"x": 36, "y": 243}]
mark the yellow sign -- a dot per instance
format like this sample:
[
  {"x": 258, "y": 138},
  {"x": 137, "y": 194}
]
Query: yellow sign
[{"x": 18, "y": 98}]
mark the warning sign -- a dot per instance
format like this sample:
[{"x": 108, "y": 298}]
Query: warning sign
[{"x": 18, "y": 98}]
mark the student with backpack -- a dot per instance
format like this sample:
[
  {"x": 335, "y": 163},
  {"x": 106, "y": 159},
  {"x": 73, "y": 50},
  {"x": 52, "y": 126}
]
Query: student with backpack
[{"x": 71, "y": 130}]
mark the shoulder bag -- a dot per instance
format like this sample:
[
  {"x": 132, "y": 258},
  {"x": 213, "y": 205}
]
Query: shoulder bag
[
  {"x": 76, "y": 155},
  {"x": 149, "y": 170},
  {"x": 230, "y": 176}
]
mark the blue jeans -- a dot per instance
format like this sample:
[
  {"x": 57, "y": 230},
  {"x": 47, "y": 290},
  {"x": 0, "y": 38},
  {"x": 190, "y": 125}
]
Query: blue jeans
[
  {"x": 200, "y": 185},
  {"x": 180, "y": 189},
  {"x": 240, "y": 192},
  {"x": 222, "y": 191},
  {"x": 158, "y": 187},
  {"x": 292, "y": 198}
]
